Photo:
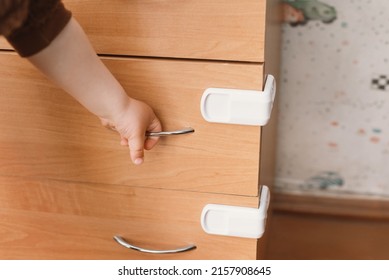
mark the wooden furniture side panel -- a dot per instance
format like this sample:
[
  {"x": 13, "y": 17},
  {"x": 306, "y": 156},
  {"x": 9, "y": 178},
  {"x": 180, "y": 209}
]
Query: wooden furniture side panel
[
  {"x": 46, "y": 219},
  {"x": 272, "y": 67},
  {"x": 44, "y": 133}
]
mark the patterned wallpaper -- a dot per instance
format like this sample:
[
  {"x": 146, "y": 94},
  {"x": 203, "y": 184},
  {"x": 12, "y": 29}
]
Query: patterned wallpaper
[{"x": 334, "y": 98}]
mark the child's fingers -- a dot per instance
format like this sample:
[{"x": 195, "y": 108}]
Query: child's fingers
[
  {"x": 123, "y": 141},
  {"x": 155, "y": 126},
  {"x": 136, "y": 145},
  {"x": 151, "y": 142}
]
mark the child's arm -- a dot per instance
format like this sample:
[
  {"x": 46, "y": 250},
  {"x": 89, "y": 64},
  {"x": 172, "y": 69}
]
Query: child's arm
[{"x": 72, "y": 64}]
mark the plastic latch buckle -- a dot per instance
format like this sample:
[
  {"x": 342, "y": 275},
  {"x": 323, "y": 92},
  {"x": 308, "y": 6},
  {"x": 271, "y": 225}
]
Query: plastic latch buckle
[
  {"x": 238, "y": 106},
  {"x": 235, "y": 220}
]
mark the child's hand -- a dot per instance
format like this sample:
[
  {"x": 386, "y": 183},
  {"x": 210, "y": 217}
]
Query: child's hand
[
  {"x": 71, "y": 62},
  {"x": 132, "y": 123}
]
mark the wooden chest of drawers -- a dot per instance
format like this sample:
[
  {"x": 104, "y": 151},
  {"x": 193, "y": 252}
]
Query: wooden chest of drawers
[{"x": 67, "y": 186}]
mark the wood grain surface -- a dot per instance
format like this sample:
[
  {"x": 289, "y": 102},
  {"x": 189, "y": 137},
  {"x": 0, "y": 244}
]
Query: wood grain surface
[
  {"x": 48, "y": 219},
  {"x": 44, "y": 133}
]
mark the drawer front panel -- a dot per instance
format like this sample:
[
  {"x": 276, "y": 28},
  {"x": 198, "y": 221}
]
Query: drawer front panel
[
  {"x": 45, "y": 219},
  {"x": 223, "y": 29},
  {"x": 45, "y": 133},
  {"x": 4, "y": 44},
  {"x": 201, "y": 29}
]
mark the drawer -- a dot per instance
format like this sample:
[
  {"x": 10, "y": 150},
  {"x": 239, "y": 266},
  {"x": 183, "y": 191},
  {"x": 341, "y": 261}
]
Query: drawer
[
  {"x": 44, "y": 133},
  {"x": 222, "y": 29},
  {"x": 4, "y": 45},
  {"x": 46, "y": 219}
]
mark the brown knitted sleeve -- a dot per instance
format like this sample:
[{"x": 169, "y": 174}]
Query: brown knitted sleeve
[
  {"x": 45, "y": 19},
  {"x": 12, "y": 15}
]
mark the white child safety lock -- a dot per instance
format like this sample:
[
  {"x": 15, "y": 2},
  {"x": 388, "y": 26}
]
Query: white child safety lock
[
  {"x": 237, "y": 106},
  {"x": 235, "y": 220}
]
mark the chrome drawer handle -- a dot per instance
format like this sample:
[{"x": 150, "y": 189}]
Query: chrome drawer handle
[
  {"x": 168, "y": 133},
  {"x": 124, "y": 243}
]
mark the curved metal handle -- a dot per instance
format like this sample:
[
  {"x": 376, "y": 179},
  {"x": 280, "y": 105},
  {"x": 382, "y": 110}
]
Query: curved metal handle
[
  {"x": 168, "y": 133},
  {"x": 124, "y": 243}
]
